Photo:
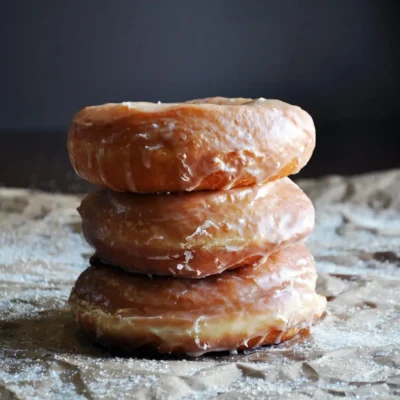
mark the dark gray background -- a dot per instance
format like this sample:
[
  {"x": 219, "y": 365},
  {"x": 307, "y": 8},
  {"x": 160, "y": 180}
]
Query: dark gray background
[{"x": 337, "y": 59}]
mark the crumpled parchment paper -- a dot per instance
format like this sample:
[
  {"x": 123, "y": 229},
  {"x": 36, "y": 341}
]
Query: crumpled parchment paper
[{"x": 354, "y": 351}]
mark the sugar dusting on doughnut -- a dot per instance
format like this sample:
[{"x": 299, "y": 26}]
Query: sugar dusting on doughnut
[
  {"x": 214, "y": 143},
  {"x": 237, "y": 309},
  {"x": 196, "y": 234}
]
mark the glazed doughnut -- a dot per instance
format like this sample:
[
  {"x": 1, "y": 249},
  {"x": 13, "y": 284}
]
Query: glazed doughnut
[
  {"x": 195, "y": 234},
  {"x": 239, "y": 309},
  {"x": 208, "y": 144}
]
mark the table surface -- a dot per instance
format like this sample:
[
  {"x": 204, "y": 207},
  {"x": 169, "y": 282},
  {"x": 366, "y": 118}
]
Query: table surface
[{"x": 353, "y": 351}]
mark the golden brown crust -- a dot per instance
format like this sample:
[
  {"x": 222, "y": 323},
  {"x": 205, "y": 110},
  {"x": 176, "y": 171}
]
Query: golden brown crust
[
  {"x": 196, "y": 234},
  {"x": 206, "y": 144},
  {"x": 233, "y": 310},
  {"x": 151, "y": 343}
]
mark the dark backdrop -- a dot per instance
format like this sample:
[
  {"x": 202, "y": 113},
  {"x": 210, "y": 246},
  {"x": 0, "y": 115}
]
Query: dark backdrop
[{"x": 339, "y": 60}]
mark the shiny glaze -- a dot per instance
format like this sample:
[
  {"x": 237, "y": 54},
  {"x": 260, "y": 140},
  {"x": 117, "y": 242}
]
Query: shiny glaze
[
  {"x": 196, "y": 234},
  {"x": 207, "y": 144},
  {"x": 236, "y": 309}
]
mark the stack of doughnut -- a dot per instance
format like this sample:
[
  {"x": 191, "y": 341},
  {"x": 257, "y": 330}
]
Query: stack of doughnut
[{"x": 198, "y": 233}]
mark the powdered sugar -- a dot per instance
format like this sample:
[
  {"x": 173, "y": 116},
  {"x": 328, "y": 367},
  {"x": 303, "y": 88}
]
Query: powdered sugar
[{"x": 353, "y": 352}]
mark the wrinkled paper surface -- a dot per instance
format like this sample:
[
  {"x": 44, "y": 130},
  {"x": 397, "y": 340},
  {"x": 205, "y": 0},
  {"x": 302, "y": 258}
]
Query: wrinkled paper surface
[{"x": 354, "y": 351}]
